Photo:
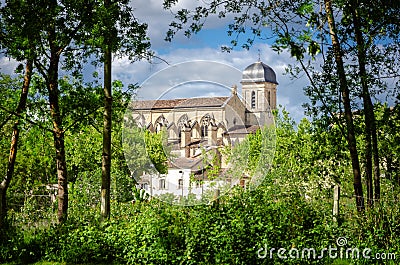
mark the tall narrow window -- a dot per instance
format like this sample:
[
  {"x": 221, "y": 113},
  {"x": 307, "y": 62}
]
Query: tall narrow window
[
  {"x": 183, "y": 123},
  {"x": 269, "y": 98},
  {"x": 205, "y": 122},
  {"x": 162, "y": 184},
  {"x": 253, "y": 100},
  {"x": 204, "y": 130},
  {"x": 180, "y": 184}
]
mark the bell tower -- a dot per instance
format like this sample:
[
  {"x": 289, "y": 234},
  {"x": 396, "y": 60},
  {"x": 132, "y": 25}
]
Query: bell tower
[{"x": 259, "y": 91}]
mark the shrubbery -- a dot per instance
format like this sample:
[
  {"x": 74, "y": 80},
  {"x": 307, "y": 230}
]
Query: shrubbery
[
  {"x": 228, "y": 233},
  {"x": 292, "y": 208}
]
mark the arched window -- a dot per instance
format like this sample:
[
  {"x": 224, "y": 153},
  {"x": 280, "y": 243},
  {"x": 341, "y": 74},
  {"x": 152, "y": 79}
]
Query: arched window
[
  {"x": 253, "y": 99},
  {"x": 140, "y": 121},
  {"x": 204, "y": 123},
  {"x": 183, "y": 123},
  {"x": 161, "y": 123}
]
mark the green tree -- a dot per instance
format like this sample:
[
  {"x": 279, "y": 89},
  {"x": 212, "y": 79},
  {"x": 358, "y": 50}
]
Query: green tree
[
  {"x": 106, "y": 156},
  {"x": 372, "y": 23},
  {"x": 307, "y": 28},
  {"x": 156, "y": 150},
  {"x": 345, "y": 92},
  {"x": 71, "y": 31},
  {"x": 14, "y": 142},
  {"x": 32, "y": 167},
  {"x": 144, "y": 151},
  {"x": 115, "y": 30},
  {"x": 18, "y": 42}
]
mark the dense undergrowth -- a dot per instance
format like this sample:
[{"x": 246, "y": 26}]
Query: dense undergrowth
[
  {"x": 290, "y": 210},
  {"x": 231, "y": 232}
]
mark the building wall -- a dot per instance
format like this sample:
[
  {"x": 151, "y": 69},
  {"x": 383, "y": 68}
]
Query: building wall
[
  {"x": 264, "y": 91},
  {"x": 172, "y": 116},
  {"x": 234, "y": 112}
]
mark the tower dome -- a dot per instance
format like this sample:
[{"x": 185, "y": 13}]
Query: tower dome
[{"x": 259, "y": 72}]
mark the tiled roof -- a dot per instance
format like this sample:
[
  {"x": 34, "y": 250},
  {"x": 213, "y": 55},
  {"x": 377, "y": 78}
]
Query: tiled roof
[
  {"x": 241, "y": 129},
  {"x": 179, "y": 103},
  {"x": 194, "y": 164}
]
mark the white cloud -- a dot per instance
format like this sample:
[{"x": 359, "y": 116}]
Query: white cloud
[{"x": 8, "y": 65}]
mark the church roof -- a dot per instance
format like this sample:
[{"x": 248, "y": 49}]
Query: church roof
[
  {"x": 242, "y": 129},
  {"x": 179, "y": 103},
  {"x": 259, "y": 72}
]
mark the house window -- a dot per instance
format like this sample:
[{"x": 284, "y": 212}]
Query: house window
[
  {"x": 180, "y": 184},
  {"x": 199, "y": 183},
  {"x": 253, "y": 99},
  {"x": 162, "y": 184}
]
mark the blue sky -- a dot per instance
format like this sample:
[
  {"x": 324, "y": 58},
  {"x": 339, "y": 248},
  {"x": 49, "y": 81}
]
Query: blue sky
[{"x": 206, "y": 46}]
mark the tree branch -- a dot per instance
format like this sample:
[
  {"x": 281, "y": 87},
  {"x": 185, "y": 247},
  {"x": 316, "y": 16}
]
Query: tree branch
[{"x": 26, "y": 119}]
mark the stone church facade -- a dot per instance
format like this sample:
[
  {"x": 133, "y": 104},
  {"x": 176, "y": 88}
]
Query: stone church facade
[{"x": 206, "y": 123}]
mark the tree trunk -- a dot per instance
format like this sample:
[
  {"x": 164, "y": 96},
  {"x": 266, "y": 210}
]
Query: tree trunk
[
  {"x": 106, "y": 157},
  {"x": 370, "y": 122},
  {"x": 375, "y": 152},
  {"x": 368, "y": 161},
  {"x": 14, "y": 142},
  {"x": 344, "y": 89},
  {"x": 58, "y": 133}
]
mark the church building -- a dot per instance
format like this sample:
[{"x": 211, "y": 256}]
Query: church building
[{"x": 198, "y": 127}]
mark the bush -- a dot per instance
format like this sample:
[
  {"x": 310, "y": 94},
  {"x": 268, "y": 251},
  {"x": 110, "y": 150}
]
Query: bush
[{"x": 228, "y": 233}]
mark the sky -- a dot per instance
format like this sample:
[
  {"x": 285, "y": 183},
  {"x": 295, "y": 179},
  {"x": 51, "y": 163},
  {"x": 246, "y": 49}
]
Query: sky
[
  {"x": 196, "y": 66},
  {"x": 206, "y": 48}
]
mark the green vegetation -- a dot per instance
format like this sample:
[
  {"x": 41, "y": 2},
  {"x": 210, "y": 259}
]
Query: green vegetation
[
  {"x": 292, "y": 208},
  {"x": 69, "y": 195},
  {"x": 347, "y": 49}
]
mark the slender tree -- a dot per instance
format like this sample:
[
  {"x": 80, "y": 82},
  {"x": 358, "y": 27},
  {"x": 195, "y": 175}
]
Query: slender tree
[
  {"x": 344, "y": 89},
  {"x": 370, "y": 131},
  {"x": 116, "y": 32},
  {"x": 14, "y": 142},
  {"x": 372, "y": 23},
  {"x": 58, "y": 26},
  {"x": 107, "y": 128},
  {"x": 17, "y": 41}
]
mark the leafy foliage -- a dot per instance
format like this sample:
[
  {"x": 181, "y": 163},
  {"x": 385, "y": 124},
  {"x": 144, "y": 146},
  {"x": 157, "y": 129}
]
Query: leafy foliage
[{"x": 290, "y": 209}]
